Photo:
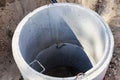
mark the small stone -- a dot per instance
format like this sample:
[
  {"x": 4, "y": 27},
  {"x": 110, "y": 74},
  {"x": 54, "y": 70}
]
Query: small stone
[
  {"x": 118, "y": 59},
  {"x": 109, "y": 74}
]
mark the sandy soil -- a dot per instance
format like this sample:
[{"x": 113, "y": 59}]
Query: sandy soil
[{"x": 12, "y": 11}]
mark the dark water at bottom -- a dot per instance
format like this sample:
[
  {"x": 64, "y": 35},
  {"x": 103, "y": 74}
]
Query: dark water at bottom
[{"x": 62, "y": 71}]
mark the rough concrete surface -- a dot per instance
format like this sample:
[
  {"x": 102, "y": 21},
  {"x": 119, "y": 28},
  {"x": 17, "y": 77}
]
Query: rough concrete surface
[{"x": 12, "y": 11}]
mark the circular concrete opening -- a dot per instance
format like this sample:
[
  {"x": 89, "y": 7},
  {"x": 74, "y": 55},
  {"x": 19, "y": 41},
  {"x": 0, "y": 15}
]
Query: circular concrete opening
[{"x": 62, "y": 36}]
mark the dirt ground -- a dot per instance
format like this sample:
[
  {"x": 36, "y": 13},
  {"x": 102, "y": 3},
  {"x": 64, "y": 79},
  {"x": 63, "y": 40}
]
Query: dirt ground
[{"x": 12, "y": 11}]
